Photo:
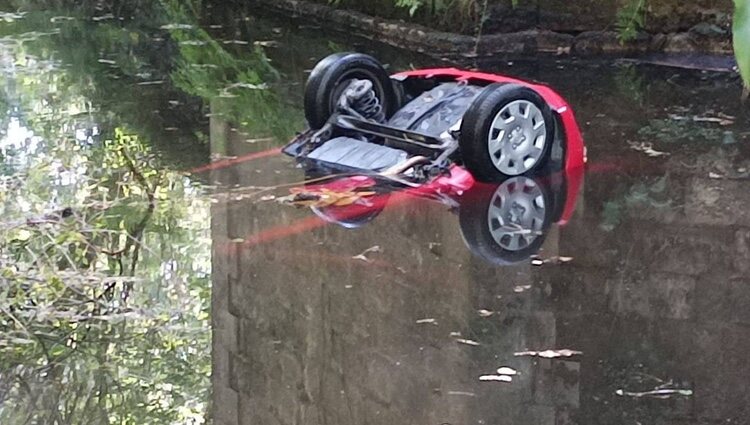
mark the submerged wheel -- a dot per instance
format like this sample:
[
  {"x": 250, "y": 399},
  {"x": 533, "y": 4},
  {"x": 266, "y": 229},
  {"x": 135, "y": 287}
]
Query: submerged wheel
[
  {"x": 506, "y": 224},
  {"x": 332, "y": 75},
  {"x": 507, "y": 131}
]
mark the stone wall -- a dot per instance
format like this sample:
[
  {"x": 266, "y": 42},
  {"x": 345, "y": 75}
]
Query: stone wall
[
  {"x": 556, "y": 15},
  {"x": 584, "y": 28}
]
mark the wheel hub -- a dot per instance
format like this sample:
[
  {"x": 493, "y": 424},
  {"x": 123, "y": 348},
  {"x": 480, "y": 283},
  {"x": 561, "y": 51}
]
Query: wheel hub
[
  {"x": 517, "y": 213},
  {"x": 517, "y": 138}
]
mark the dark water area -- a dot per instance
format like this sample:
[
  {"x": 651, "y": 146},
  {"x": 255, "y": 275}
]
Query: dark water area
[{"x": 185, "y": 293}]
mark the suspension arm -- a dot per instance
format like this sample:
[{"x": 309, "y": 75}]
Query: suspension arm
[{"x": 408, "y": 140}]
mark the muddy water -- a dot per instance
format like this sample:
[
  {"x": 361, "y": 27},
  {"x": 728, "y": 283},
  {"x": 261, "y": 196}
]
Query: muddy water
[
  {"x": 640, "y": 271},
  {"x": 308, "y": 329}
]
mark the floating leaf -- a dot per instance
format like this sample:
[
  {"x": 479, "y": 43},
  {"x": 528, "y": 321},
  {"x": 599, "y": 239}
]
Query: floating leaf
[
  {"x": 549, "y": 354},
  {"x": 498, "y": 378},
  {"x": 363, "y": 255},
  {"x": 467, "y": 341},
  {"x": 507, "y": 371},
  {"x": 323, "y": 198},
  {"x": 657, "y": 393},
  {"x": 647, "y": 148}
]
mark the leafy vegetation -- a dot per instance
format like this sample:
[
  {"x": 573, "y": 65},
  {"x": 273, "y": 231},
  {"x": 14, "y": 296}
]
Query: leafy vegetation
[
  {"x": 742, "y": 40},
  {"x": 235, "y": 85},
  {"x": 471, "y": 14},
  {"x": 631, "y": 19},
  {"x": 104, "y": 248},
  {"x": 104, "y": 242},
  {"x": 104, "y": 287}
]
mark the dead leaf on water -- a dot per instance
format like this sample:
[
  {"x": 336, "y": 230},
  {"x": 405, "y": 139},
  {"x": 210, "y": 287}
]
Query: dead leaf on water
[
  {"x": 11, "y": 17},
  {"x": 657, "y": 393},
  {"x": 323, "y": 198},
  {"x": 549, "y": 354},
  {"x": 248, "y": 86},
  {"x": 103, "y": 17},
  {"x": 507, "y": 371},
  {"x": 497, "y": 378},
  {"x": 240, "y": 42},
  {"x": 266, "y": 43},
  {"x": 536, "y": 261},
  {"x": 363, "y": 255},
  {"x": 175, "y": 26},
  {"x": 261, "y": 140},
  {"x": 647, "y": 148},
  {"x": 55, "y": 19},
  {"x": 720, "y": 118},
  {"x": 463, "y": 393}
]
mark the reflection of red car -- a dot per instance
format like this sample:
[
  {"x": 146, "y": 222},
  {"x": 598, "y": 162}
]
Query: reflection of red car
[
  {"x": 416, "y": 125},
  {"x": 505, "y": 153},
  {"x": 503, "y": 223}
]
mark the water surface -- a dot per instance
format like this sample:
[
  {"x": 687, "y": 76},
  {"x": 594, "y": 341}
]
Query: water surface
[{"x": 219, "y": 304}]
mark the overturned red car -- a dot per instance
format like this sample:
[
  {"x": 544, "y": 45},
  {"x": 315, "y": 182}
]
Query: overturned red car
[
  {"x": 418, "y": 124},
  {"x": 505, "y": 153}
]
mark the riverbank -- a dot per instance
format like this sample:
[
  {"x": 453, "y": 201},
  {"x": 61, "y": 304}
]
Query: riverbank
[{"x": 702, "y": 37}]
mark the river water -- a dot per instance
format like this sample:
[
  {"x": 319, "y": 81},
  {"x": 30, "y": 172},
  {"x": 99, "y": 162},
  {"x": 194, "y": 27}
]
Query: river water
[{"x": 175, "y": 289}]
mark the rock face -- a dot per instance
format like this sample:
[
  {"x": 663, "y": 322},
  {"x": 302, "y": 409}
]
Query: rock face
[
  {"x": 662, "y": 16},
  {"x": 584, "y": 27},
  {"x": 570, "y": 16}
]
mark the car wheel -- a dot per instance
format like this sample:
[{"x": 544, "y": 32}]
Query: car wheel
[
  {"x": 332, "y": 76},
  {"x": 507, "y": 131},
  {"x": 506, "y": 223}
]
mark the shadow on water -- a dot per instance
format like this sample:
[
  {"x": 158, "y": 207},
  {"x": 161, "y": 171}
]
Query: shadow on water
[{"x": 112, "y": 254}]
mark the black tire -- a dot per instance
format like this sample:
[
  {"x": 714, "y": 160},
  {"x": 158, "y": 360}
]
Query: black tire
[
  {"x": 331, "y": 76},
  {"x": 474, "y": 217},
  {"x": 477, "y": 122}
]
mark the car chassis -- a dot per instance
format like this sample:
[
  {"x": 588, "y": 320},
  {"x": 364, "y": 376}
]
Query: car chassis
[{"x": 431, "y": 155}]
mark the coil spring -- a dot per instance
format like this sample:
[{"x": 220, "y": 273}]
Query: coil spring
[{"x": 364, "y": 100}]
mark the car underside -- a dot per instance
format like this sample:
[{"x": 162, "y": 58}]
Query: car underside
[{"x": 414, "y": 126}]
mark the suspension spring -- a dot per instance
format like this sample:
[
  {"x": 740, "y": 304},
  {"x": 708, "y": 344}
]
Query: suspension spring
[{"x": 363, "y": 99}]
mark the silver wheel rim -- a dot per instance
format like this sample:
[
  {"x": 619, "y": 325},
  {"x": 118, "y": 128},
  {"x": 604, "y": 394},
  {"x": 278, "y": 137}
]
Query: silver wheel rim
[
  {"x": 517, "y": 138},
  {"x": 516, "y": 213}
]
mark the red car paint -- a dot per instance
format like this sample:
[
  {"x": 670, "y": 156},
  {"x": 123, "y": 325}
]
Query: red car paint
[
  {"x": 451, "y": 185},
  {"x": 575, "y": 150}
]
